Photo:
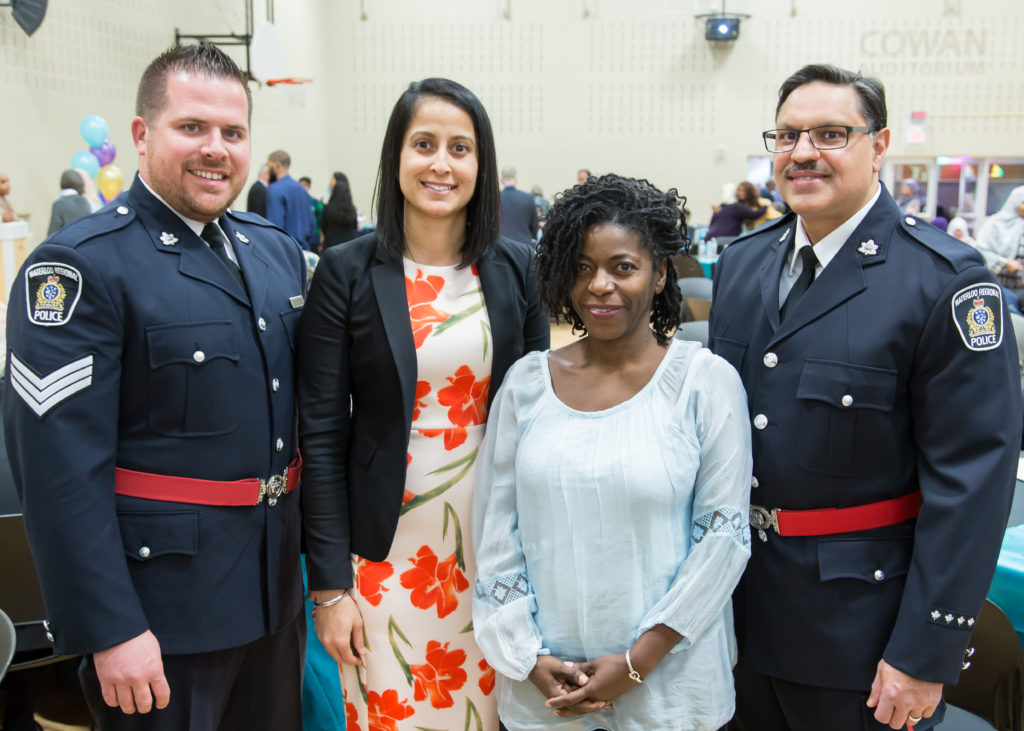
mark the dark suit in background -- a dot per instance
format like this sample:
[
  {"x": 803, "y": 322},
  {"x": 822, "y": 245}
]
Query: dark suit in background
[
  {"x": 518, "y": 215},
  {"x": 67, "y": 208},
  {"x": 257, "y": 200}
]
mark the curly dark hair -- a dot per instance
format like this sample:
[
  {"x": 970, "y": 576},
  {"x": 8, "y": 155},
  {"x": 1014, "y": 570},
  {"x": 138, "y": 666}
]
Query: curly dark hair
[{"x": 658, "y": 218}]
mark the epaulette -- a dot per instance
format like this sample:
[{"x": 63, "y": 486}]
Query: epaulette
[
  {"x": 959, "y": 255},
  {"x": 111, "y": 217}
]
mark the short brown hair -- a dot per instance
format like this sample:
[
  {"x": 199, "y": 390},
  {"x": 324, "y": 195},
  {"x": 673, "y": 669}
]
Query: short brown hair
[{"x": 204, "y": 59}]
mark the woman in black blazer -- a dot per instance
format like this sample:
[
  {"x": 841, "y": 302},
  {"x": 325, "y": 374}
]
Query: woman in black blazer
[{"x": 405, "y": 338}]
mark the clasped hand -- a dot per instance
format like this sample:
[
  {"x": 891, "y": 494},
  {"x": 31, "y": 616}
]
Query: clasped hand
[{"x": 573, "y": 689}]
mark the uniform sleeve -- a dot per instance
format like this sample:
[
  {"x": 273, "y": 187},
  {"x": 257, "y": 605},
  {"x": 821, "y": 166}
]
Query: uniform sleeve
[
  {"x": 324, "y": 423},
  {"x": 503, "y": 600},
  {"x": 966, "y": 407},
  {"x": 720, "y": 535},
  {"x": 60, "y": 417}
]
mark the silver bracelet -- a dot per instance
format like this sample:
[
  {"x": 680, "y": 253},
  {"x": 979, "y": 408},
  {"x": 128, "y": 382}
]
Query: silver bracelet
[
  {"x": 633, "y": 674},
  {"x": 331, "y": 602}
]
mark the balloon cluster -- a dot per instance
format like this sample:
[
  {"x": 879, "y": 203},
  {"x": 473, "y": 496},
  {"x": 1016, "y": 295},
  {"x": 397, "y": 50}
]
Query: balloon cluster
[{"x": 98, "y": 161}]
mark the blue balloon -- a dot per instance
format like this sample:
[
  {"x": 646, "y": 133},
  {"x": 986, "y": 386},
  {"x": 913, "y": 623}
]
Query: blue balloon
[
  {"x": 87, "y": 162},
  {"x": 94, "y": 129}
]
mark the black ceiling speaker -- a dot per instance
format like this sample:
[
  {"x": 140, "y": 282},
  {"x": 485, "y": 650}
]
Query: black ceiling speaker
[{"x": 28, "y": 14}]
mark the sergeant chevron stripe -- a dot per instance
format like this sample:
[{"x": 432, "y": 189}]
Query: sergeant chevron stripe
[{"x": 42, "y": 394}]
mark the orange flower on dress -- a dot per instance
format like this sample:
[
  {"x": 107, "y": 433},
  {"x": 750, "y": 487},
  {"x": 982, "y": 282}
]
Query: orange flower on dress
[
  {"x": 369, "y": 577},
  {"x": 351, "y": 717},
  {"x": 487, "y": 679},
  {"x": 439, "y": 675},
  {"x": 452, "y": 437},
  {"x": 466, "y": 397},
  {"x": 424, "y": 316},
  {"x": 385, "y": 710},
  {"x": 406, "y": 497},
  {"x": 434, "y": 582},
  {"x": 422, "y": 389}
]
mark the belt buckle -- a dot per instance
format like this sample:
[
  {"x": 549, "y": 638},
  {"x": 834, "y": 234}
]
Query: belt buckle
[
  {"x": 273, "y": 488},
  {"x": 763, "y": 519}
]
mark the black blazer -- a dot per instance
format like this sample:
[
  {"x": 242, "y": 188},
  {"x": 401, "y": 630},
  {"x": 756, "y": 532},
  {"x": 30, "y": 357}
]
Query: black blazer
[
  {"x": 356, "y": 347},
  {"x": 518, "y": 215}
]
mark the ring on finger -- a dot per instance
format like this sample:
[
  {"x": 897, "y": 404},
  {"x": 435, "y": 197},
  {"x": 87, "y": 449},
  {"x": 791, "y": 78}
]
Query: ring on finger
[{"x": 911, "y": 719}]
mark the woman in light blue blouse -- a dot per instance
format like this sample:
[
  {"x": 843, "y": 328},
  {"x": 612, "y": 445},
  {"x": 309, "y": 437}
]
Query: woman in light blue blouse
[{"x": 610, "y": 517}]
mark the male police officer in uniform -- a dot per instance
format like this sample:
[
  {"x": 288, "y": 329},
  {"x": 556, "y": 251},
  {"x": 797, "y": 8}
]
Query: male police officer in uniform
[
  {"x": 885, "y": 404},
  {"x": 149, "y": 421}
]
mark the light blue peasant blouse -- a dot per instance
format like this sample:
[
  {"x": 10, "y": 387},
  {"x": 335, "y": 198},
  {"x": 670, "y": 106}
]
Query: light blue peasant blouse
[{"x": 590, "y": 528}]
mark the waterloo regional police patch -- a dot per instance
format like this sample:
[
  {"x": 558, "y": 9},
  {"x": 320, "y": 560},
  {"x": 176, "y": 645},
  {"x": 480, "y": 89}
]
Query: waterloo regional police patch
[
  {"x": 978, "y": 314},
  {"x": 52, "y": 290}
]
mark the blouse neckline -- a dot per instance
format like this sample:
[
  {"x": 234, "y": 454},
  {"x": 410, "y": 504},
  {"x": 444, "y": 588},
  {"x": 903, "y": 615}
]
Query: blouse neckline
[{"x": 549, "y": 387}]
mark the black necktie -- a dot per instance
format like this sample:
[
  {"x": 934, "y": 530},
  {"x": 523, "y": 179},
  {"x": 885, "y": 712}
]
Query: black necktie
[
  {"x": 802, "y": 283},
  {"x": 212, "y": 235}
]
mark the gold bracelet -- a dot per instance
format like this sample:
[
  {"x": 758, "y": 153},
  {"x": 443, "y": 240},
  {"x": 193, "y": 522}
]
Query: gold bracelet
[{"x": 633, "y": 674}]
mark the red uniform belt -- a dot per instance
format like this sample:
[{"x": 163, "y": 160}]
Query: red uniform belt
[
  {"x": 249, "y": 491},
  {"x": 836, "y": 520}
]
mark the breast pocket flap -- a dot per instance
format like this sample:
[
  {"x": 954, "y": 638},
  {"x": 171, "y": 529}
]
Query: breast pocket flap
[
  {"x": 847, "y": 386},
  {"x": 195, "y": 343}
]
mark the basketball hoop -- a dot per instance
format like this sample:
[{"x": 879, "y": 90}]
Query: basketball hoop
[{"x": 288, "y": 80}]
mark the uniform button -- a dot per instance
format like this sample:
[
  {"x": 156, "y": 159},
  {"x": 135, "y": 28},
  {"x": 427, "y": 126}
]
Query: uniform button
[
  {"x": 144, "y": 552},
  {"x": 261, "y": 324},
  {"x": 275, "y": 384},
  {"x": 279, "y": 445},
  {"x": 199, "y": 356},
  {"x": 46, "y": 625},
  {"x": 910, "y": 221},
  {"x": 770, "y": 360},
  {"x": 760, "y": 421},
  {"x": 847, "y": 400},
  {"x": 49, "y": 636},
  {"x": 122, "y": 210},
  {"x": 879, "y": 574},
  {"x": 754, "y": 482}
]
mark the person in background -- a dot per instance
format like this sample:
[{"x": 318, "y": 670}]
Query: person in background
[
  {"x": 909, "y": 200},
  {"x": 958, "y": 229},
  {"x": 256, "y": 201},
  {"x": 518, "y": 210},
  {"x": 89, "y": 191},
  {"x": 318, "y": 209},
  {"x": 746, "y": 191},
  {"x": 70, "y": 204},
  {"x": 647, "y": 490},
  {"x": 288, "y": 204},
  {"x": 728, "y": 217},
  {"x": 540, "y": 201},
  {"x": 339, "y": 218},
  {"x": 1001, "y": 241},
  {"x": 861, "y": 334},
  {"x": 7, "y": 214},
  {"x": 582, "y": 175},
  {"x": 150, "y": 422},
  {"x": 406, "y": 337}
]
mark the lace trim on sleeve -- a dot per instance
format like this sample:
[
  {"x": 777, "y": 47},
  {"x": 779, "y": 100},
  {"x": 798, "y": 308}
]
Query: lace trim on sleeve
[
  {"x": 723, "y": 520},
  {"x": 504, "y": 589}
]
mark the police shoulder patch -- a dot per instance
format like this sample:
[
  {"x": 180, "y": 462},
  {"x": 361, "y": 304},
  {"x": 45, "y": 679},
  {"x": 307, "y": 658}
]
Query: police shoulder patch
[
  {"x": 52, "y": 290},
  {"x": 978, "y": 316}
]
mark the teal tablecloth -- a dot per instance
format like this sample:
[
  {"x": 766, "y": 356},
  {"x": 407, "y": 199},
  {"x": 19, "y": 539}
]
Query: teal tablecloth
[{"x": 1007, "y": 590}]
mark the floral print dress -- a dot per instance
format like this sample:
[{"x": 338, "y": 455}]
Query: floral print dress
[{"x": 424, "y": 670}]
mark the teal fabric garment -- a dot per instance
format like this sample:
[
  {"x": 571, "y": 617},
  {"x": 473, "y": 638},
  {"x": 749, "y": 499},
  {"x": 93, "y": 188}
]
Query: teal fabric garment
[
  {"x": 322, "y": 706},
  {"x": 590, "y": 528}
]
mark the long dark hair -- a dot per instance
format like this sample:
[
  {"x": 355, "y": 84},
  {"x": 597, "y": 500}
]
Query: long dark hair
[
  {"x": 340, "y": 210},
  {"x": 483, "y": 214}
]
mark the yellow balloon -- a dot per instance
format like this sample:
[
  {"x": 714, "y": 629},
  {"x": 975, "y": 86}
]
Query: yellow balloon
[{"x": 109, "y": 180}]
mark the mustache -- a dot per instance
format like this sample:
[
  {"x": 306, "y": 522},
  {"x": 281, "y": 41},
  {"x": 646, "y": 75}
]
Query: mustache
[{"x": 808, "y": 166}]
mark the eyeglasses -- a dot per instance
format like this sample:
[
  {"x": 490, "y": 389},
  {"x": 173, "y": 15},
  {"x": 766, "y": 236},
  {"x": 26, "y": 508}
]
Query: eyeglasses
[{"x": 828, "y": 137}]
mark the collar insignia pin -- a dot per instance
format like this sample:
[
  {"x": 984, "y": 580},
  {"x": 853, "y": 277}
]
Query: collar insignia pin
[
  {"x": 240, "y": 237},
  {"x": 868, "y": 248},
  {"x": 168, "y": 239},
  {"x": 784, "y": 235}
]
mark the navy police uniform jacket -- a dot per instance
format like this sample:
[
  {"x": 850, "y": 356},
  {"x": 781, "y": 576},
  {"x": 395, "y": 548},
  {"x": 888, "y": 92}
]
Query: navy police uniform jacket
[
  {"x": 131, "y": 345},
  {"x": 896, "y": 371}
]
